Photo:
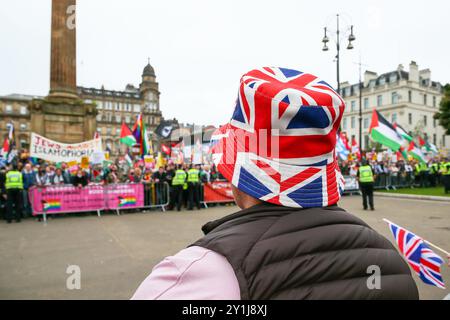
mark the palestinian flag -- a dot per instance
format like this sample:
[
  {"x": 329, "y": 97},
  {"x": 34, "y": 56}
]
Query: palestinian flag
[
  {"x": 421, "y": 141},
  {"x": 416, "y": 153},
  {"x": 126, "y": 136},
  {"x": 402, "y": 132},
  {"x": 383, "y": 132},
  {"x": 431, "y": 147},
  {"x": 5, "y": 149},
  {"x": 402, "y": 151}
]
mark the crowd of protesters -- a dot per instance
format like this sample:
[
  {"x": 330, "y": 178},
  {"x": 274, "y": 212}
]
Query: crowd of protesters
[
  {"x": 24, "y": 174},
  {"x": 404, "y": 173}
]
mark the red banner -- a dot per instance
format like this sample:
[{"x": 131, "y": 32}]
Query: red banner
[{"x": 218, "y": 191}]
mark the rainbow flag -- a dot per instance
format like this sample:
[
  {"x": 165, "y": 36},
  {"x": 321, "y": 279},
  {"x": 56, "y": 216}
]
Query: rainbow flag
[
  {"x": 127, "y": 201},
  {"x": 51, "y": 205},
  {"x": 140, "y": 134}
]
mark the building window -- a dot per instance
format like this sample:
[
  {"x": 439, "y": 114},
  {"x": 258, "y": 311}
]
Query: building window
[
  {"x": 108, "y": 130},
  {"x": 23, "y": 126},
  {"x": 443, "y": 140},
  {"x": 118, "y": 106},
  {"x": 99, "y": 105},
  {"x": 393, "y": 78},
  {"x": 379, "y": 101},
  {"x": 8, "y": 108},
  {"x": 118, "y": 118},
  {"x": 118, "y": 131},
  {"x": 410, "y": 96},
  {"x": 353, "y": 106},
  {"x": 366, "y": 103},
  {"x": 366, "y": 123},
  {"x": 137, "y": 108},
  {"x": 434, "y": 138},
  {"x": 394, "y": 117},
  {"x": 382, "y": 81},
  {"x": 23, "y": 110},
  {"x": 99, "y": 117},
  {"x": 366, "y": 141},
  {"x": 394, "y": 98},
  {"x": 409, "y": 118},
  {"x": 434, "y": 101},
  {"x": 348, "y": 91},
  {"x": 353, "y": 123},
  {"x": 425, "y": 121},
  {"x": 424, "y": 99},
  {"x": 434, "y": 124},
  {"x": 344, "y": 124},
  {"x": 127, "y": 119}
]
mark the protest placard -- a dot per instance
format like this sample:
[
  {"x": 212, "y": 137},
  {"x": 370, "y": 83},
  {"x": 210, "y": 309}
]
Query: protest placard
[{"x": 53, "y": 151}]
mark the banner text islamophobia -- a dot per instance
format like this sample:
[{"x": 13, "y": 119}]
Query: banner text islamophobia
[{"x": 50, "y": 150}]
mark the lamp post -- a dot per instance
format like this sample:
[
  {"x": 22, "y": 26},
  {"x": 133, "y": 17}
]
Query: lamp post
[{"x": 325, "y": 40}]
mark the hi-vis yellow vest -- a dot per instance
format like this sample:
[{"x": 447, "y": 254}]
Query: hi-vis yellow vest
[
  {"x": 365, "y": 174},
  {"x": 179, "y": 179},
  {"x": 193, "y": 175},
  {"x": 13, "y": 180}
]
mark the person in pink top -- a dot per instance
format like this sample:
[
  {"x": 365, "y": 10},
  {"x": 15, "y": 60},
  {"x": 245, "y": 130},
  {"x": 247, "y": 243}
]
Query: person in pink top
[{"x": 290, "y": 240}]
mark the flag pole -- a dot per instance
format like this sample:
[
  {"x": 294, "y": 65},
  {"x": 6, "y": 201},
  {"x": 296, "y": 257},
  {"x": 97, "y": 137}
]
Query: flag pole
[{"x": 428, "y": 242}]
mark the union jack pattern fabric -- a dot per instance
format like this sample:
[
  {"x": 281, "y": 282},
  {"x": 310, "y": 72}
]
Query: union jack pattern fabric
[
  {"x": 420, "y": 257},
  {"x": 279, "y": 145}
]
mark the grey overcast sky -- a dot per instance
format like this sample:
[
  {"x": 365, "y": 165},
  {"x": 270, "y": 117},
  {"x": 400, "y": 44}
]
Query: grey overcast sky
[{"x": 200, "y": 48}]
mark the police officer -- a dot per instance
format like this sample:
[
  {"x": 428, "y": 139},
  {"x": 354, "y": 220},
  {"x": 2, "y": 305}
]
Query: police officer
[
  {"x": 445, "y": 171},
  {"x": 366, "y": 180},
  {"x": 14, "y": 187},
  {"x": 434, "y": 174},
  {"x": 178, "y": 181},
  {"x": 193, "y": 179}
]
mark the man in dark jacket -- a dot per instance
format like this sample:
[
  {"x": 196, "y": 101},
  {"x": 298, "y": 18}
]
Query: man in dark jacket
[
  {"x": 29, "y": 180},
  {"x": 290, "y": 240}
]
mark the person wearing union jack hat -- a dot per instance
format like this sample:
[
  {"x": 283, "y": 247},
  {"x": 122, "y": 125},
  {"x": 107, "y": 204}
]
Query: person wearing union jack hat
[{"x": 290, "y": 240}]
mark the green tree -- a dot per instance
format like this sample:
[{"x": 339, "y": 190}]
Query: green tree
[{"x": 444, "y": 110}]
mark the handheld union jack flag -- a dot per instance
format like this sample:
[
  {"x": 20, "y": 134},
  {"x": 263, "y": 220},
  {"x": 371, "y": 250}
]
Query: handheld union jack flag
[
  {"x": 420, "y": 257},
  {"x": 279, "y": 145}
]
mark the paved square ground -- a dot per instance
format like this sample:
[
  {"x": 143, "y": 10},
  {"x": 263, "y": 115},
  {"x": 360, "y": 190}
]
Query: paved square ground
[{"x": 115, "y": 253}]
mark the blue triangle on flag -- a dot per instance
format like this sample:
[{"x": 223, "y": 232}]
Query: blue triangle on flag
[
  {"x": 250, "y": 185},
  {"x": 289, "y": 72},
  {"x": 309, "y": 117},
  {"x": 238, "y": 115},
  {"x": 324, "y": 83},
  {"x": 251, "y": 85},
  {"x": 309, "y": 195},
  {"x": 286, "y": 100}
]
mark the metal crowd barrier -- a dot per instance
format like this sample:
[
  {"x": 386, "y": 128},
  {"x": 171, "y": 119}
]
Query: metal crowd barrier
[
  {"x": 394, "y": 180},
  {"x": 62, "y": 199}
]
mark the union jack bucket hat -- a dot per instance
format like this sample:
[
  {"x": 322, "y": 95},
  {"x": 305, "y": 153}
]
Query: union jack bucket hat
[{"x": 279, "y": 145}]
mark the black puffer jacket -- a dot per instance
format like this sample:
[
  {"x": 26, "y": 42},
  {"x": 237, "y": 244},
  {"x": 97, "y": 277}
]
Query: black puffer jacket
[{"x": 319, "y": 253}]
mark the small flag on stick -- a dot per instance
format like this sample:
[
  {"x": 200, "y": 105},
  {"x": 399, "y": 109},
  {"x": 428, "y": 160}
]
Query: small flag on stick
[{"x": 420, "y": 257}]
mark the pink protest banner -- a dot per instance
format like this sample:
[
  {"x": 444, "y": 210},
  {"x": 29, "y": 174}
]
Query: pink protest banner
[
  {"x": 124, "y": 196},
  {"x": 66, "y": 198}
]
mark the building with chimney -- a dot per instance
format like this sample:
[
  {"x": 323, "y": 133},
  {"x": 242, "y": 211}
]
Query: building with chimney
[{"x": 410, "y": 98}]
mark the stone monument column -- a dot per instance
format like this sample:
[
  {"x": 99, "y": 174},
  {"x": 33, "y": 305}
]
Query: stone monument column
[
  {"x": 63, "y": 64},
  {"x": 62, "y": 115}
]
